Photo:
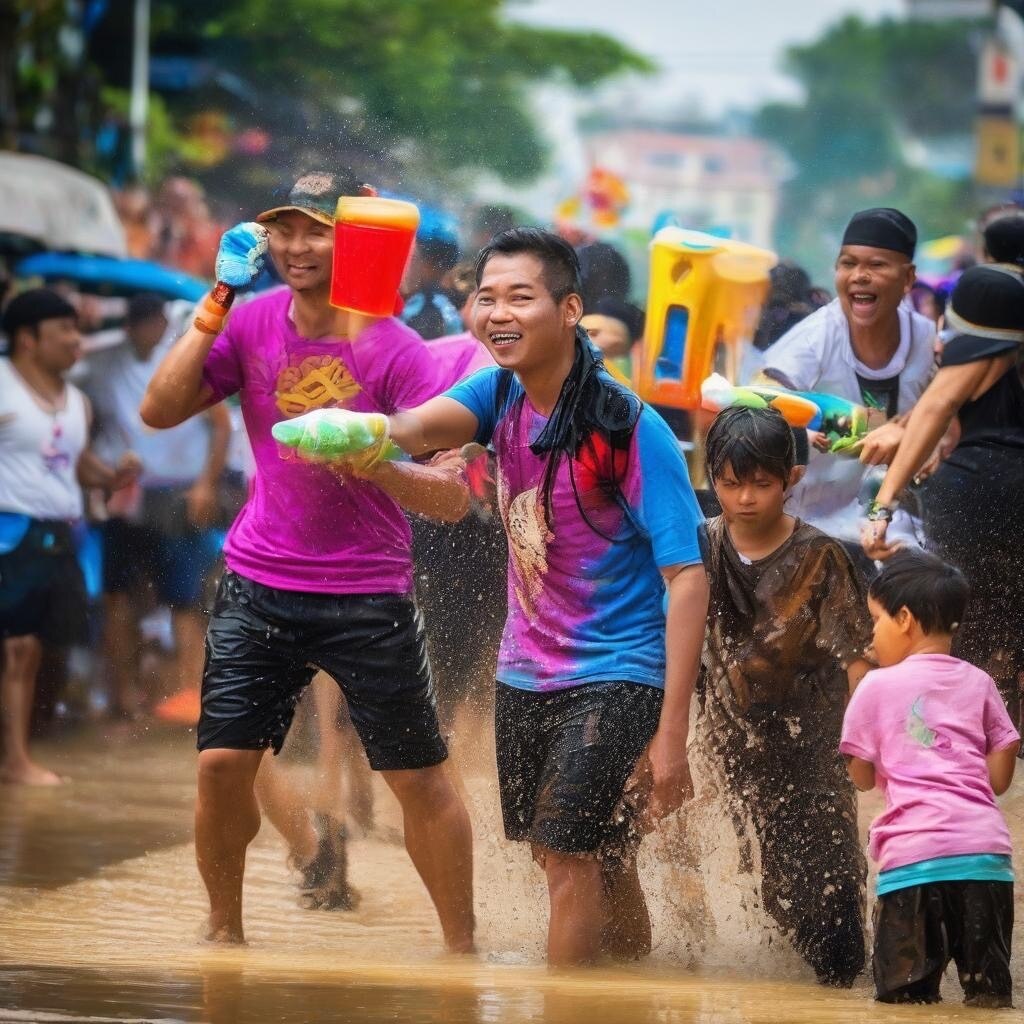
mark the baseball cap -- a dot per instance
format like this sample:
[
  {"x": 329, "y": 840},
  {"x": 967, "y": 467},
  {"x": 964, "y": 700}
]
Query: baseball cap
[{"x": 316, "y": 194}]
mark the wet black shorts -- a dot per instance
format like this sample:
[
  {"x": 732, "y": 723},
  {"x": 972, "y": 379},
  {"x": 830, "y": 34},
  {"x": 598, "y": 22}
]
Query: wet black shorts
[
  {"x": 264, "y": 645},
  {"x": 42, "y": 592},
  {"x": 918, "y": 930},
  {"x": 564, "y": 758}
]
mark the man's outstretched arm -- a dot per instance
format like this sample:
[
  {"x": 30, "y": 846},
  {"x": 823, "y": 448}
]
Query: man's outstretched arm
[
  {"x": 437, "y": 425},
  {"x": 438, "y": 490}
]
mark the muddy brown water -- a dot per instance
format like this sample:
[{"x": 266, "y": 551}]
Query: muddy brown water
[{"x": 100, "y": 906}]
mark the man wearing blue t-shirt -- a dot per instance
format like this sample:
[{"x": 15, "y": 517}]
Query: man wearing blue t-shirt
[{"x": 593, "y": 693}]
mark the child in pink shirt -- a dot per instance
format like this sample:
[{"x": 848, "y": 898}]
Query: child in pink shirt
[{"x": 932, "y": 733}]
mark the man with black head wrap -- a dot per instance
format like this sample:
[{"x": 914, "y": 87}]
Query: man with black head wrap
[{"x": 868, "y": 346}]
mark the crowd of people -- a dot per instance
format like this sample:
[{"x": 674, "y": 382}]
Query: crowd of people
[{"x": 822, "y": 646}]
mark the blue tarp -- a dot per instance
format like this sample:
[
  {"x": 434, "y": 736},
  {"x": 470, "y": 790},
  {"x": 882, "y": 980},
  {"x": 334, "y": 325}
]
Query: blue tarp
[{"x": 108, "y": 275}]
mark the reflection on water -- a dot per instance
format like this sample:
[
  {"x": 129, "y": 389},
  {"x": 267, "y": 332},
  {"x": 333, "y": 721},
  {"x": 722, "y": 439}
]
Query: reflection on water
[{"x": 101, "y": 905}]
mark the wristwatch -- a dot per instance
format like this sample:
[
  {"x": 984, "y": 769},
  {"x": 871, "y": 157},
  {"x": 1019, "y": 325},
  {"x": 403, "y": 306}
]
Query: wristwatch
[{"x": 880, "y": 513}]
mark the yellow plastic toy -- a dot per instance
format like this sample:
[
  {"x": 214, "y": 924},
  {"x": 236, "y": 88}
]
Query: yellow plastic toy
[{"x": 703, "y": 304}]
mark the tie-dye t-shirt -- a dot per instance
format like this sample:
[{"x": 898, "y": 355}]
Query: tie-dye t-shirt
[
  {"x": 583, "y": 608},
  {"x": 303, "y": 528},
  {"x": 927, "y": 725}
]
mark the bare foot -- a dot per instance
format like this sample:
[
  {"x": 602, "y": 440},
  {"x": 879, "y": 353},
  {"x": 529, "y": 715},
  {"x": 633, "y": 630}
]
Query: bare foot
[
  {"x": 223, "y": 935},
  {"x": 461, "y": 947},
  {"x": 324, "y": 884},
  {"x": 29, "y": 774}
]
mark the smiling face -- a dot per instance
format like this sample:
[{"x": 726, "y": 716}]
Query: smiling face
[
  {"x": 871, "y": 283},
  {"x": 302, "y": 250},
  {"x": 515, "y": 315}
]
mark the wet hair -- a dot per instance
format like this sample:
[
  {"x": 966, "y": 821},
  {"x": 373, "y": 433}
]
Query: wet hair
[
  {"x": 934, "y": 592},
  {"x": 558, "y": 258},
  {"x": 749, "y": 440},
  {"x": 144, "y": 306}
]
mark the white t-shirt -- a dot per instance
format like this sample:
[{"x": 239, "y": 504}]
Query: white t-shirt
[
  {"x": 39, "y": 450},
  {"x": 116, "y": 379},
  {"x": 816, "y": 355}
]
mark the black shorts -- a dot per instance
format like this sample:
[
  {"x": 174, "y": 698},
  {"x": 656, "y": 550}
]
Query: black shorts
[
  {"x": 264, "y": 645},
  {"x": 918, "y": 930},
  {"x": 563, "y": 761},
  {"x": 42, "y": 592}
]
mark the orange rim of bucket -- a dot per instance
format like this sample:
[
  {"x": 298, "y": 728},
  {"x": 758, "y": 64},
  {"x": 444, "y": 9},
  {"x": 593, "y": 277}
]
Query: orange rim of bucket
[{"x": 373, "y": 211}]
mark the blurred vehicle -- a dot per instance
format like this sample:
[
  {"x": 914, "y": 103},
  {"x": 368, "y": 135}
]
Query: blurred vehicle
[
  {"x": 703, "y": 306},
  {"x": 109, "y": 275},
  {"x": 48, "y": 205}
]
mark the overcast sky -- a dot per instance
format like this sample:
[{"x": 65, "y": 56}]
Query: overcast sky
[{"x": 723, "y": 53}]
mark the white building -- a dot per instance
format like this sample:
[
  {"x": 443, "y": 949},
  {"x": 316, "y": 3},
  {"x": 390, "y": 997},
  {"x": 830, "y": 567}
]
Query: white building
[
  {"x": 945, "y": 10},
  {"x": 707, "y": 181}
]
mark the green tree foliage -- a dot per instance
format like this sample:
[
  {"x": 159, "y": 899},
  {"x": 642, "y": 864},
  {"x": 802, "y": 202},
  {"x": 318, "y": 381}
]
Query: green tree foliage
[
  {"x": 441, "y": 81},
  {"x": 869, "y": 90},
  {"x": 437, "y": 86}
]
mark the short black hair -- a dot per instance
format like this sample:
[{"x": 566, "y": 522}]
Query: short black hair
[
  {"x": 1004, "y": 237},
  {"x": 934, "y": 592},
  {"x": 144, "y": 306},
  {"x": 749, "y": 440},
  {"x": 30, "y": 309},
  {"x": 559, "y": 259}
]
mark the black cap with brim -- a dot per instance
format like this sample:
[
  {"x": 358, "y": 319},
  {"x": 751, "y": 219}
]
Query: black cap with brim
[
  {"x": 882, "y": 228},
  {"x": 986, "y": 310},
  {"x": 31, "y": 308},
  {"x": 316, "y": 195}
]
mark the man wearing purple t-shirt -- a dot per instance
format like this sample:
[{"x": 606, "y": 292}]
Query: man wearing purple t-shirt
[{"x": 319, "y": 570}]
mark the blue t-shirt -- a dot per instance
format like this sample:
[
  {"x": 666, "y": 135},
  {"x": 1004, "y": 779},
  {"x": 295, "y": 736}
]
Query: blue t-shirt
[{"x": 584, "y": 608}]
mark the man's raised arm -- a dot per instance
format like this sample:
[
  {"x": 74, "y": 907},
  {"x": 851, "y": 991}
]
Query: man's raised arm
[{"x": 177, "y": 390}]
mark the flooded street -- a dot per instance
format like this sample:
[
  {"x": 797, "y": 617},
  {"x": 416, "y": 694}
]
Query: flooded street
[{"x": 101, "y": 905}]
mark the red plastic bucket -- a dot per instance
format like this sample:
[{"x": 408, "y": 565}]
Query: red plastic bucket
[{"x": 373, "y": 241}]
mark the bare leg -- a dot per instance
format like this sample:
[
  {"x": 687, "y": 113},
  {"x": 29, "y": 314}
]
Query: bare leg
[
  {"x": 439, "y": 839},
  {"x": 284, "y": 804},
  {"x": 627, "y": 934},
  {"x": 227, "y": 820},
  {"x": 358, "y": 777},
  {"x": 121, "y": 649},
  {"x": 22, "y": 655},
  {"x": 330, "y": 796},
  {"x": 578, "y": 910}
]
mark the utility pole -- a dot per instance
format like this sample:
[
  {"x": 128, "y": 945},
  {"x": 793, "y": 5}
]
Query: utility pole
[{"x": 140, "y": 87}]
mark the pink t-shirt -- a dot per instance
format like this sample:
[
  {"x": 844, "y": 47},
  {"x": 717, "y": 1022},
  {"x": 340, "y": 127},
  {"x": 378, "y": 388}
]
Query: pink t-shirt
[
  {"x": 927, "y": 725},
  {"x": 303, "y": 528}
]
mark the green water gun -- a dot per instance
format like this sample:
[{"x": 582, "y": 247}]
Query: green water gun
[{"x": 338, "y": 435}]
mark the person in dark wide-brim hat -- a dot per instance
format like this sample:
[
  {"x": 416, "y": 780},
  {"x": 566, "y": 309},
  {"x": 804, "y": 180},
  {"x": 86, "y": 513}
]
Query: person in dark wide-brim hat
[{"x": 974, "y": 517}]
